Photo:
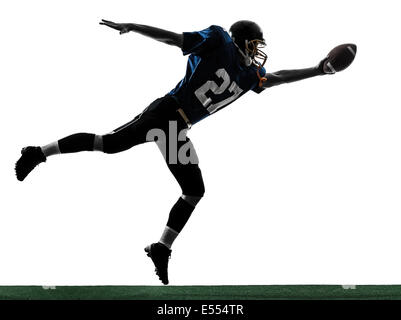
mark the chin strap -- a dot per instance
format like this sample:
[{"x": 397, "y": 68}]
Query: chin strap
[{"x": 261, "y": 79}]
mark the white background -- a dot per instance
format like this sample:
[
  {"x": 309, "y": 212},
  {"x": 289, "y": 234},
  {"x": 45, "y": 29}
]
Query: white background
[{"x": 302, "y": 181}]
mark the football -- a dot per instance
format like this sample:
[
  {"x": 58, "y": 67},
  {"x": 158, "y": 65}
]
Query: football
[{"x": 339, "y": 58}]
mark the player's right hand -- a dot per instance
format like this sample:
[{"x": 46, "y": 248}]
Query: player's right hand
[{"x": 122, "y": 27}]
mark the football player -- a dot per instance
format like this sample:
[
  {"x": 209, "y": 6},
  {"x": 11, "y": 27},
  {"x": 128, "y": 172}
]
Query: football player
[{"x": 221, "y": 68}]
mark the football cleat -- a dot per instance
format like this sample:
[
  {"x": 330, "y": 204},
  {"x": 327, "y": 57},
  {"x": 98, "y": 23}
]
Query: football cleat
[
  {"x": 160, "y": 255},
  {"x": 30, "y": 158}
]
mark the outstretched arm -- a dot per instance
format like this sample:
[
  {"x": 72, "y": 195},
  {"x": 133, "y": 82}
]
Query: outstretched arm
[
  {"x": 338, "y": 59},
  {"x": 286, "y": 76},
  {"x": 168, "y": 37}
]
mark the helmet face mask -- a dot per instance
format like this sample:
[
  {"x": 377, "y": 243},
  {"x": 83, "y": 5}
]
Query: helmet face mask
[{"x": 253, "y": 49}]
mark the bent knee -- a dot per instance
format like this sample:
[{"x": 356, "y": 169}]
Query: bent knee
[
  {"x": 194, "y": 195},
  {"x": 192, "y": 200},
  {"x": 107, "y": 143},
  {"x": 98, "y": 143}
]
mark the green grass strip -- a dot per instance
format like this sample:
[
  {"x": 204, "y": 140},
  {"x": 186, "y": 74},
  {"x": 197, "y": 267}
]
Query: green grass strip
[{"x": 329, "y": 292}]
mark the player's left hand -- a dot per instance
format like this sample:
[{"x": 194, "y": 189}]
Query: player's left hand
[
  {"x": 122, "y": 27},
  {"x": 320, "y": 66}
]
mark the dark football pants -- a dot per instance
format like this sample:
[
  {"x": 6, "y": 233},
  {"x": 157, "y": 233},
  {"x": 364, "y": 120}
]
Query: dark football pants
[{"x": 159, "y": 115}]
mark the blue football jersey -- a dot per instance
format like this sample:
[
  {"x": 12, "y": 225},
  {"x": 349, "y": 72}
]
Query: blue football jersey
[{"x": 214, "y": 77}]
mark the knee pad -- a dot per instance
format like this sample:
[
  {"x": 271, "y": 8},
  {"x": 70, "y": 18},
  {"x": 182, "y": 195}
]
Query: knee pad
[
  {"x": 98, "y": 143},
  {"x": 194, "y": 189},
  {"x": 192, "y": 200}
]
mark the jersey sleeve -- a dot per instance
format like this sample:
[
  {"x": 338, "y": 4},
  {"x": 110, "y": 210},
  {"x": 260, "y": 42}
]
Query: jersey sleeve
[
  {"x": 258, "y": 89},
  {"x": 199, "y": 42}
]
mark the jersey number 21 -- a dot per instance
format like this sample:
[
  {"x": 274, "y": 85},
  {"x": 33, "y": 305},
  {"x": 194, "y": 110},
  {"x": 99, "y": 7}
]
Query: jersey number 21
[{"x": 217, "y": 90}]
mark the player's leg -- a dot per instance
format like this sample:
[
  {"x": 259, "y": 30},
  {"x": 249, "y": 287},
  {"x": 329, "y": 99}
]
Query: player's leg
[
  {"x": 120, "y": 139},
  {"x": 31, "y": 156},
  {"x": 189, "y": 177}
]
